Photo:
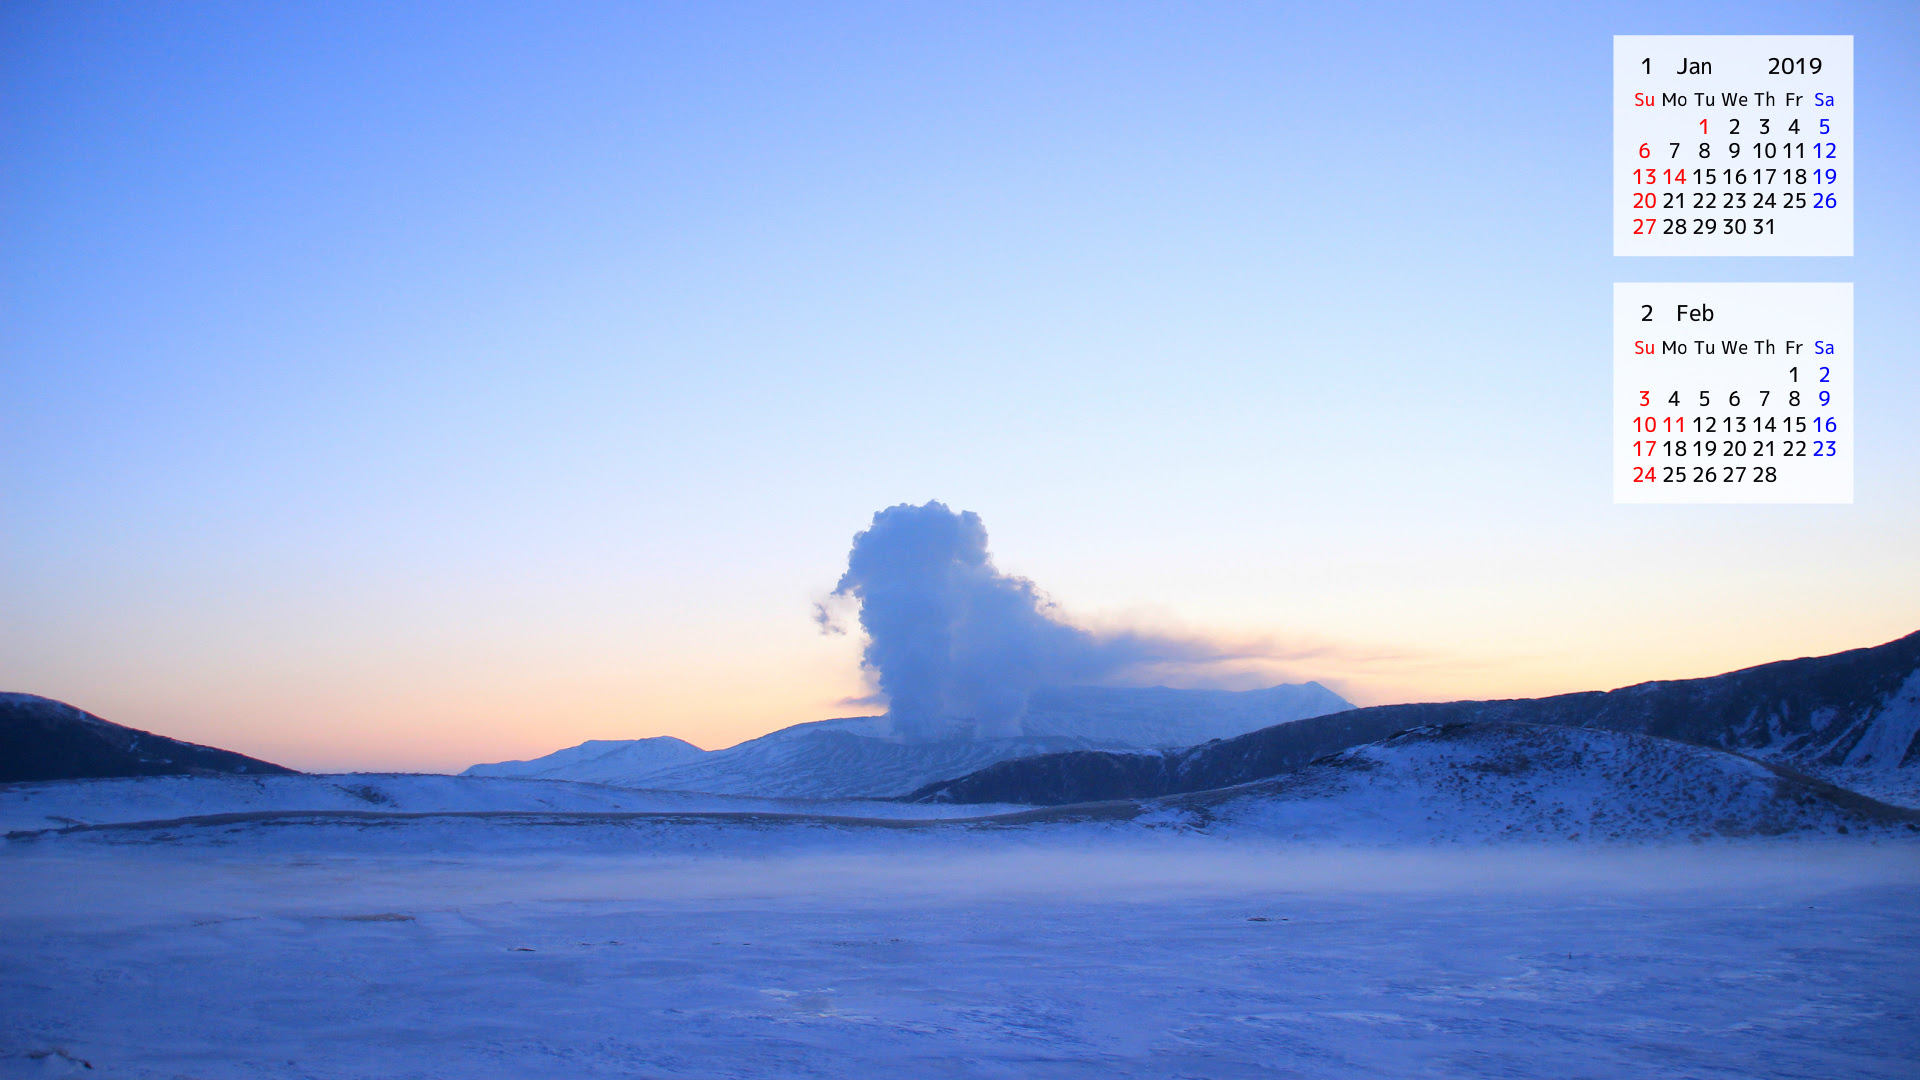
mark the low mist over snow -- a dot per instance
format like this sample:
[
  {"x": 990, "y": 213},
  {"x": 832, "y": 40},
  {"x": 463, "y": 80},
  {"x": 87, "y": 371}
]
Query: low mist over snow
[
  {"x": 479, "y": 948},
  {"x": 1473, "y": 899},
  {"x": 1104, "y": 881}
]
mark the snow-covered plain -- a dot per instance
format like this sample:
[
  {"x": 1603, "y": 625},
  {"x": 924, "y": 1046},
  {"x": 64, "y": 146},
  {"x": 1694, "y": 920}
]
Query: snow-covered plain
[
  {"x": 578, "y": 947},
  {"x": 1472, "y": 900}
]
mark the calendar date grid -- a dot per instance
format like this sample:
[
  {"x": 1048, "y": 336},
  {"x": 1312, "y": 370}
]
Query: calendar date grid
[
  {"x": 1760, "y": 411},
  {"x": 1733, "y": 145}
]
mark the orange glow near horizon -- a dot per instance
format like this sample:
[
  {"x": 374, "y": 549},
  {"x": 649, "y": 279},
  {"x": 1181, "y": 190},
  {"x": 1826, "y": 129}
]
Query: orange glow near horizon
[{"x": 333, "y": 727}]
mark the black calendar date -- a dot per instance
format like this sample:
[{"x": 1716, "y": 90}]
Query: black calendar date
[
  {"x": 1737, "y": 178},
  {"x": 1703, "y": 226},
  {"x": 1705, "y": 474},
  {"x": 1736, "y": 448},
  {"x": 1726, "y": 200},
  {"x": 1737, "y": 425}
]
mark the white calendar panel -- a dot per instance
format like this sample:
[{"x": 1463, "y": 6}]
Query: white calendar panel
[
  {"x": 1733, "y": 145},
  {"x": 1733, "y": 393}
]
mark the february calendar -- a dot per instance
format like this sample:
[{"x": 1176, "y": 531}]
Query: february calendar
[
  {"x": 1729, "y": 145},
  {"x": 1733, "y": 393}
]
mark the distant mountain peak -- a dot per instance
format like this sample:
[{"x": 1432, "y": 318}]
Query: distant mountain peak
[
  {"x": 596, "y": 760},
  {"x": 863, "y": 757}
]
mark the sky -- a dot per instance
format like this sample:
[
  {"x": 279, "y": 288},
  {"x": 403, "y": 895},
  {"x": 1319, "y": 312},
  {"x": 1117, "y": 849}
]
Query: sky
[{"x": 402, "y": 386}]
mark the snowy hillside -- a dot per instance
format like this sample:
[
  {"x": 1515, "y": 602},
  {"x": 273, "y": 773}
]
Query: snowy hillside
[
  {"x": 858, "y": 757},
  {"x": 1461, "y": 783},
  {"x": 1494, "y": 781},
  {"x": 1852, "y": 718},
  {"x": 60, "y": 803}
]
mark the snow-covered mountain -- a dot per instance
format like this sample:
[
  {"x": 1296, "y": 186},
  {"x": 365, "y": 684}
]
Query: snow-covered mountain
[
  {"x": 1454, "y": 782},
  {"x": 598, "y": 761},
  {"x": 855, "y": 757},
  {"x": 859, "y": 757},
  {"x": 1470, "y": 783},
  {"x": 1500, "y": 781},
  {"x": 817, "y": 762}
]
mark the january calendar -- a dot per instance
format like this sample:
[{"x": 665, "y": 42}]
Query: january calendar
[
  {"x": 1733, "y": 393},
  {"x": 1729, "y": 145}
]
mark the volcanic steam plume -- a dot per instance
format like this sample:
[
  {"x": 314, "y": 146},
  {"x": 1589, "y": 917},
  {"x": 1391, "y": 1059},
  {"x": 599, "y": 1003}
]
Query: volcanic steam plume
[{"x": 956, "y": 645}]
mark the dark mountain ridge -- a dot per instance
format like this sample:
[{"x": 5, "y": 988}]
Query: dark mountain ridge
[
  {"x": 1856, "y": 708},
  {"x": 43, "y": 739}
]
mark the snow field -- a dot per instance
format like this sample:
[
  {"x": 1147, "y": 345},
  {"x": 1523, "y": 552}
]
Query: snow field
[{"x": 418, "y": 950}]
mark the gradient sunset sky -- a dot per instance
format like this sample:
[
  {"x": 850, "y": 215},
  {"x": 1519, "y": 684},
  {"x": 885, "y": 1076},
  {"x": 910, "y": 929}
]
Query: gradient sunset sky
[{"x": 401, "y": 386}]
